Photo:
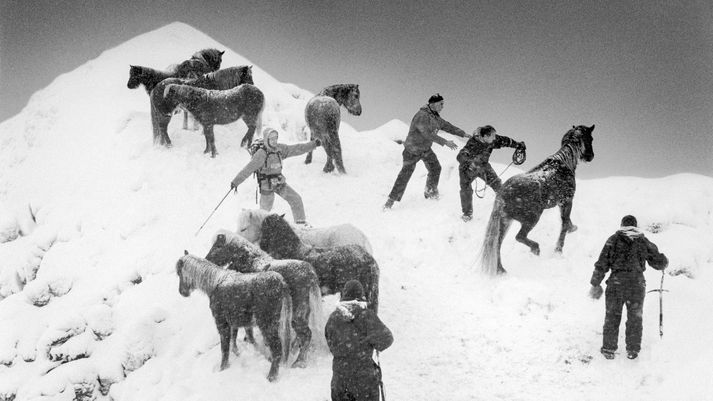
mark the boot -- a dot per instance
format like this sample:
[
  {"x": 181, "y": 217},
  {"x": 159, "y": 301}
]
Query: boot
[
  {"x": 388, "y": 204},
  {"x": 609, "y": 354},
  {"x": 467, "y": 217},
  {"x": 431, "y": 193}
]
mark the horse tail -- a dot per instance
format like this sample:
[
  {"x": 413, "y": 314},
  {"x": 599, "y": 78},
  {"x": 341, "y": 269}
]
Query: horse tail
[
  {"x": 490, "y": 250},
  {"x": 372, "y": 290},
  {"x": 285, "y": 323},
  {"x": 317, "y": 320}
]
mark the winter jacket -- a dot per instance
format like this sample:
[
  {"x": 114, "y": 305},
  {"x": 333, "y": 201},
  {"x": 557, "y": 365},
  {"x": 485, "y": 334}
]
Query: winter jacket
[
  {"x": 424, "y": 127},
  {"x": 625, "y": 253},
  {"x": 478, "y": 152},
  {"x": 353, "y": 332},
  {"x": 270, "y": 163}
]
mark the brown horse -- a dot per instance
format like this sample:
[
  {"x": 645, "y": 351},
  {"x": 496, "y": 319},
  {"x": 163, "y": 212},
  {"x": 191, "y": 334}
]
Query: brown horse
[
  {"x": 323, "y": 117},
  {"x": 524, "y": 197},
  {"x": 202, "y": 62},
  {"x": 235, "y": 299},
  {"x": 219, "y": 107}
]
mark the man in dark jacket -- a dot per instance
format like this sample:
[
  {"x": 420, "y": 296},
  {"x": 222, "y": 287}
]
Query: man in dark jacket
[
  {"x": 421, "y": 135},
  {"x": 474, "y": 163},
  {"x": 353, "y": 332},
  {"x": 625, "y": 253}
]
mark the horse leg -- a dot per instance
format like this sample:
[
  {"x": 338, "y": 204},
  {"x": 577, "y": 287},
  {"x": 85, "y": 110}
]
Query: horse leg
[
  {"x": 337, "y": 153},
  {"x": 233, "y": 344},
  {"x": 270, "y": 332},
  {"x": 224, "y": 333},
  {"x": 526, "y": 225},
  {"x": 300, "y": 323},
  {"x": 329, "y": 149},
  {"x": 567, "y": 226},
  {"x": 209, "y": 140},
  {"x": 160, "y": 127},
  {"x": 249, "y": 336},
  {"x": 504, "y": 225},
  {"x": 308, "y": 158},
  {"x": 185, "y": 119},
  {"x": 248, "y": 138}
]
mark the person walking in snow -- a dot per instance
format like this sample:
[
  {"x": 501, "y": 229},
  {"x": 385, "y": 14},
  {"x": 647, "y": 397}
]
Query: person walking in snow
[
  {"x": 266, "y": 162},
  {"x": 625, "y": 253},
  {"x": 474, "y": 163},
  {"x": 417, "y": 147},
  {"x": 353, "y": 332}
]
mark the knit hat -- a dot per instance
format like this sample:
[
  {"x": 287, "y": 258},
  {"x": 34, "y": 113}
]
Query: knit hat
[
  {"x": 629, "y": 221},
  {"x": 435, "y": 98},
  {"x": 353, "y": 290}
]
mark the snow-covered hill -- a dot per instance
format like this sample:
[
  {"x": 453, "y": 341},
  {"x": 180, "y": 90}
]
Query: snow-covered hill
[{"x": 93, "y": 218}]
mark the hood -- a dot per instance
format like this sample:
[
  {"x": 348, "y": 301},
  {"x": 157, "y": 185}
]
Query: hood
[
  {"x": 349, "y": 309},
  {"x": 630, "y": 233}
]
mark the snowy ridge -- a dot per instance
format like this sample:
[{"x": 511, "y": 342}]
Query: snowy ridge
[{"x": 94, "y": 217}]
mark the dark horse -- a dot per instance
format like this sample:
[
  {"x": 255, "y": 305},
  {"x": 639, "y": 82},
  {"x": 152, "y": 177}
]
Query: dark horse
[
  {"x": 162, "y": 108},
  {"x": 300, "y": 277},
  {"x": 525, "y": 196},
  {"x": 334, "y": 266},
  {"x": 218, "y": 107},
  {"x": 235, "y": 298},
  {"x": 202, "y": 62},
  {"x": 323, "y": 117}
]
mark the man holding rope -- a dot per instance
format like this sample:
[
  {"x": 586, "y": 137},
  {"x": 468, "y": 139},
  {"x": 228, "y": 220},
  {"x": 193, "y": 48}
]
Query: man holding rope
[{"x": 474, "y": 163}]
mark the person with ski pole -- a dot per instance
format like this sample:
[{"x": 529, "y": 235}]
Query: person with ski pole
[{"x": 625, "y": 254}]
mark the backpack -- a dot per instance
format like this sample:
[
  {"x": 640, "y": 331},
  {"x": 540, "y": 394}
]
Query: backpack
[{"x": 256, "y": 145}]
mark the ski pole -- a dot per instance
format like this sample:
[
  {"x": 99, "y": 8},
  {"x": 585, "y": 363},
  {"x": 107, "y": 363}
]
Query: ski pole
[
  {"x": 660, "y": 291},
  {"x": 381, "y": 381},
  {"x": 211, "y": 213}
]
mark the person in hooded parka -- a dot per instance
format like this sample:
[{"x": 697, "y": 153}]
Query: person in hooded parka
[
  {"x": 266, "y": 162},
  {"x": 625, "y": 253},
  {"x": 353, "y": 332}
]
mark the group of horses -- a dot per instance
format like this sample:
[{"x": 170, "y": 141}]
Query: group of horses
[
  {"x": 272, "y": 273},
  {"x": 217, "y": 96},
  {"x": 278, "y": 282}
]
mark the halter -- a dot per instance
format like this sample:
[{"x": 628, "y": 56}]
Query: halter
[{"x": 518, "y": 157}]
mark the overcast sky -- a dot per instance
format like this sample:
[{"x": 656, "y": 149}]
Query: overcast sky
[{"x": 642, "y": 71}]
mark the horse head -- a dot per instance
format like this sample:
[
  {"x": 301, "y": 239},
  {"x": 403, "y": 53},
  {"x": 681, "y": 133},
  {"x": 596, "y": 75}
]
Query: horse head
[
  {"x": 184, "y": 288},
  {"x": 213, "y": 57},
  {"x": 278, "y": 238},
  {"x": 351, "y": 100},
  {"x": 249, "y": 223},
  {"x": 245, "y": 75},
  {"x": 581, "y": 137},
  {"x": 134, "y": 74},
  {"x": 219, "y": 252}
]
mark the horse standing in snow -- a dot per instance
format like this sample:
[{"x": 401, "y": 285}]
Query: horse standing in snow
[
  {"x": 250, "y": 227},
  {"x": 235, "y": 298},
  {"x": 162, "y": 107},
  {"x": 323, "y": 117},
  {"x": 334, "y": 266},
  {"x": 525, "y": 196},
  {"x": 244, "y": 257},
  {"x": 219, "y": 107},
  {"x": 202, "y": 62}
]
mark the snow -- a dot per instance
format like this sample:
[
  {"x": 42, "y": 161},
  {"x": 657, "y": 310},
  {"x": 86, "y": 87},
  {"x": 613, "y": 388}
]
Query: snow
[{"x": 93, "y": 218}]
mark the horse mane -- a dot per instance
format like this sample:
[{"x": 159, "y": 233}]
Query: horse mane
[
  {"x": 279, "y": 238},
  {"x": 569, "y": 154},
  {"x": 251, "y": 216},
  {"x": 229, "y": 77},
  {"x": 200, "y": 273},
  {"x": 339, "y": 92}
]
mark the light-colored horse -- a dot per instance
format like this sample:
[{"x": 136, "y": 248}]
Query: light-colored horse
[{"x": 250, "y": 223}]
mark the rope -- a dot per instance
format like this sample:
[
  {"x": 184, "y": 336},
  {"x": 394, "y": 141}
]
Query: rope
[{"x": 518, "y": 157}]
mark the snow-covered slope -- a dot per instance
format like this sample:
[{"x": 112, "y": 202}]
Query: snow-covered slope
[{"x": 93, "y": 218}]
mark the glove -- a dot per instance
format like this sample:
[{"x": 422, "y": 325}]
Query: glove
[
  {"x": 452, "y": 145},
  {"x": 521, "y": 145},
  {"x": 233, "y": 187},
  {"x": 596, "y": 291},
  {"x": 318, "y": 142}
]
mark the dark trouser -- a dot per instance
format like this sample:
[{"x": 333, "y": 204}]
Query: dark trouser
[
  {"x": 629, "y": 292},
  {"x": 362, "y": 386},
  {"x": 432, "y": 165},
  {"x": 468, "y": 175}
]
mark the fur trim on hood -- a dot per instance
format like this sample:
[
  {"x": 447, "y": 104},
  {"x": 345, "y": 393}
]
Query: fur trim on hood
[
  {"x": 347, "y": 309},
  {"x": 631, "y": 232}
]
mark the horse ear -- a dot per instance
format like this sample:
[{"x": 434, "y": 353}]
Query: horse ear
[
  {"x": 282, "y": 215},
  {"x": 220, "y": 239},
  {"x": 221, "y": 53},
  {"x": 250, "y": 67},
  {"x": 591, "y": 128},
  {"x": 185, "y": 252}
]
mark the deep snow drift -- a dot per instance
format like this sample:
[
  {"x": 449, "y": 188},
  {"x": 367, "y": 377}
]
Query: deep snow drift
[{"x": 93, "y": 218}]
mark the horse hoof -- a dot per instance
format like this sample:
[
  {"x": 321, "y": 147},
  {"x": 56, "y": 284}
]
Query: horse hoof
[
  {"x": 572, "y": 228},
  {"x": 536, "y": 251},
  {"x": 271, "y": 378},
  {"x": 558, "y": 250},
  {"x": 328, "y": 169},
  {"x": 299, "y": 364}
]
